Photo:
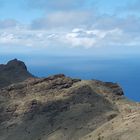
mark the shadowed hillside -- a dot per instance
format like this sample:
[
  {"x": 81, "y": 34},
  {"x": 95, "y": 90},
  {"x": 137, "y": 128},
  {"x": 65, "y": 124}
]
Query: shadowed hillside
[{"x": 63, "y": 108}]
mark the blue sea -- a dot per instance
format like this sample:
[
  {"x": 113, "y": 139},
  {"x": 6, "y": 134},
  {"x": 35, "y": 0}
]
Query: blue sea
[{"x": 123, "y": 70}]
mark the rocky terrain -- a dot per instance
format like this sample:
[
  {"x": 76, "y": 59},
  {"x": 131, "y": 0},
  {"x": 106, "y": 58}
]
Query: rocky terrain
[
  {"x": 13, "y": 72},
  {"x": 62, "y": 108}
]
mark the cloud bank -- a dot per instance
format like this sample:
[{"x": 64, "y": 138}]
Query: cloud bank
[{"x": 74, "y": 23}]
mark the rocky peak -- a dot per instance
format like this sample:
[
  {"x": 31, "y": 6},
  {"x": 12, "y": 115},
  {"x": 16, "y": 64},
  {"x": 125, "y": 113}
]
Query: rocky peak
[
  {"x": 12, "y": 72},
  {"x": 17, "y": 64}
]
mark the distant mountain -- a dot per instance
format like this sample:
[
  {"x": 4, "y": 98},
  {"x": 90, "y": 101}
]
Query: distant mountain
[
  {"x": 63, "y": 108},
  {"x": 13, "y": 72}
]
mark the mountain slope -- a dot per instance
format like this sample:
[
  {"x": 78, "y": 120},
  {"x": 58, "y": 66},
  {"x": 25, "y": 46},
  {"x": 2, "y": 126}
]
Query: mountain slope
[
  {"x": 56, "y": 108},
  {"x": 62, "y": 108},
  {"x": 13, "y": 72},
  {"x": 126, "y": 126}
]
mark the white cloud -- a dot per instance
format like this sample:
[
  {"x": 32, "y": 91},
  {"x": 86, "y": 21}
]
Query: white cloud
[
  {"x": 74, "y": 32},
  {"x": 78, "y": 37},
  {"x": 91, "y": 38},
  {"x": 61, "y": 19},
  {"x": 75, "y": 41}
]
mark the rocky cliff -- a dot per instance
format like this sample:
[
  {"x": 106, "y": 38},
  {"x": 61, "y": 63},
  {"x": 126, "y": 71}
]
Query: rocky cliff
[
  {"x": 63, "y": 108},
  {"x": 13, "y": 72}
]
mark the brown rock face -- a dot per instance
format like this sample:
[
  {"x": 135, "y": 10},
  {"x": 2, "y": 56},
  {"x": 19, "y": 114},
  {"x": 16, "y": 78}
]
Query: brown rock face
[
  {"x": 13, "y": 72},
  {"x": 54, "y": 108},
  {"x": 63, "y": 108}
]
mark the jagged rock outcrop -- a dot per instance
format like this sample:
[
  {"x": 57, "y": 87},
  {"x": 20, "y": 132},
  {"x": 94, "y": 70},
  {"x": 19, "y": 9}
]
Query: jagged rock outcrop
[
  {"x": 13, "y": 72},
  {"x": 63, "y": 108}
]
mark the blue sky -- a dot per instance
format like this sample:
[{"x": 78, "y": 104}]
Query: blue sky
[{"x": 69, "y": 26}]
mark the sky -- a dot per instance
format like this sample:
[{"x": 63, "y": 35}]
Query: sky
[{"x": 70, "y": 27}]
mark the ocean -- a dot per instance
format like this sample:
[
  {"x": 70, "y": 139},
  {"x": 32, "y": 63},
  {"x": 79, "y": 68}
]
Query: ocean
[{"x": 123, "y": 70}]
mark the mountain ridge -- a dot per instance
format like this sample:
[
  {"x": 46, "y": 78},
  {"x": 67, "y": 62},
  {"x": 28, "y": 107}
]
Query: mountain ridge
[{"x": 63, "y": 108}]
